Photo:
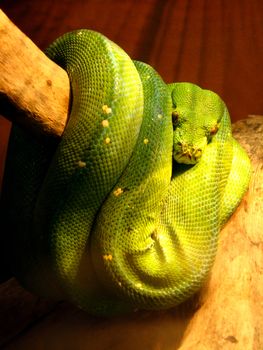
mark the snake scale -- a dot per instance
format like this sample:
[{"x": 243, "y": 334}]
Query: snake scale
[{"x": 124, "y": 211}]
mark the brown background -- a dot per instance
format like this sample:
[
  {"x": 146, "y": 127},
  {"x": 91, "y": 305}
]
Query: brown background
[{"x": 214, "y": 43}]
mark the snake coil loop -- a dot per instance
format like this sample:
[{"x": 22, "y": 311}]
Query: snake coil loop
[{"x": 125, "y": 211}]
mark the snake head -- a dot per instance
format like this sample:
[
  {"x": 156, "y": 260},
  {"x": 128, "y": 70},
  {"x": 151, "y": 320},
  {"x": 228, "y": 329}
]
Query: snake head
[{"x": 196, "y": 117}]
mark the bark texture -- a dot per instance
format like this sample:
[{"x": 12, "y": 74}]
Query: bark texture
[{"x": 34, "y": 91}]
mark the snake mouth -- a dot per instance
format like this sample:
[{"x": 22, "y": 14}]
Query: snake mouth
[{"x": 187, "y": 154}]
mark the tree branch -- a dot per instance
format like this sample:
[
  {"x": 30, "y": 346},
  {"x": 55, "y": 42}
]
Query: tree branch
[{"x": 34, "y": 91}]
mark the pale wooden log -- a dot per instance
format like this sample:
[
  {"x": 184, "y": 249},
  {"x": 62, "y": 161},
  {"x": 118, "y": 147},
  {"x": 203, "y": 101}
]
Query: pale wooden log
[{"x": 34, "y": 91}]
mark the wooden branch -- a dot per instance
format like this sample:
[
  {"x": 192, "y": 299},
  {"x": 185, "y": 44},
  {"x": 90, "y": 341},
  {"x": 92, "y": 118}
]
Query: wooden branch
[{"x": 34, "y": 91}]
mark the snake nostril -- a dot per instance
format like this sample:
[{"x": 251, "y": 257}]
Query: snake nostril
[
  {"x": 154, "y": 236},
  {"x": 197, "y": 153}
]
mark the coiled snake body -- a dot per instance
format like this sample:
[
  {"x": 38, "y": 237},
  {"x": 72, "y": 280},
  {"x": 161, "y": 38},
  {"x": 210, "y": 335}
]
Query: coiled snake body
[{"x": 125, "y": 211}]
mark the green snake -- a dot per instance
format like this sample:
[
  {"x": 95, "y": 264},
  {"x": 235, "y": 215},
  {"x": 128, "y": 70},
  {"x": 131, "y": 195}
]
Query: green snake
[{"x": 124, "y": 211}]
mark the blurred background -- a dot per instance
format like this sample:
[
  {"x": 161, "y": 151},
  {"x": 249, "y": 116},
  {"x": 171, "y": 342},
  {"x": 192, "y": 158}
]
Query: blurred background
[{"x": 217, "y": 44}]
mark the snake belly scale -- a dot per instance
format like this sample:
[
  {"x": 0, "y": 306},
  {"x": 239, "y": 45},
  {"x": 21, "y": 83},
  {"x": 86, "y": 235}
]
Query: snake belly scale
[{"x": 125, "y": 210}]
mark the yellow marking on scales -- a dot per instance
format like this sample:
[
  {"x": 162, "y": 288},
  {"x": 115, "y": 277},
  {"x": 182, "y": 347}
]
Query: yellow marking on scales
[
  {"x": 107, "y": 257},
  {"x": 159, "y": 116},
  {"x": 118, "y": 192},
  {"x": 146, "y": 141},
  {"x": 105, "y": 123},
  {"x": 106, "y": 109},
  {"x": 107, "y": 140},
  {"x": 81, "y": 164}
]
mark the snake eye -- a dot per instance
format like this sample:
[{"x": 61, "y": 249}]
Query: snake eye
[
  {"x": 175, "y": 118},
  {"x": 214, "y": 130}
]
